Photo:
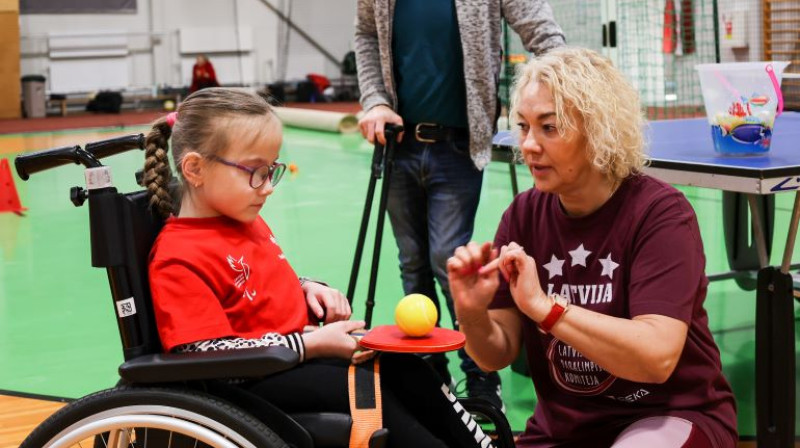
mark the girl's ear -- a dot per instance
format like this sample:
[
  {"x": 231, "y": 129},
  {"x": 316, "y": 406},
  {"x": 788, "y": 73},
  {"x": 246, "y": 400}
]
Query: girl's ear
[{"x": 192, "y": 166}]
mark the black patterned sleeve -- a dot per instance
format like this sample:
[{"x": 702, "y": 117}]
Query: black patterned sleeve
[{"x": 293, "y": 341}]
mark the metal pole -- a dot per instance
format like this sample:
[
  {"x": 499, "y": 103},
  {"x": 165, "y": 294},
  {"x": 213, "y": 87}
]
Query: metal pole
[
  {"x": 758, "y": 229},
  {"x": 789, "y": 249},
  {"x": 377, "y": 163},
  {"x": 390, "y": 132},
  {"x": 716, "y": 31},
  {"x": 303, "y": 34}
]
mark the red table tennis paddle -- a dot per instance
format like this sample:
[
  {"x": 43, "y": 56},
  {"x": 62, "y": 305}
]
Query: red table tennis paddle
[{"x": 389, "y": 338}]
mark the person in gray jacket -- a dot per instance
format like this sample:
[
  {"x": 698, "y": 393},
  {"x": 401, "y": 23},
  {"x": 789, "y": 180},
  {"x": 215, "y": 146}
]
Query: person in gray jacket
[{"x": 433, "y": 66}]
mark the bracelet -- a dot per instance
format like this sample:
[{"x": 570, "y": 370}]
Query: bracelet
[
  {"x": 557, "y": 311},
  {"x": 304, "y": 280}
]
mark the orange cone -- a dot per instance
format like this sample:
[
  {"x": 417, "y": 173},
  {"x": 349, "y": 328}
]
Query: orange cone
[{"x": 9, "y": 199}]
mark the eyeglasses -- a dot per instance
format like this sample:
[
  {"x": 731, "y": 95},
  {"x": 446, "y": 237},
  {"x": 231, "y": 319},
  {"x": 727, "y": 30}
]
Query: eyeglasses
[{"x": 258, "y": 176}]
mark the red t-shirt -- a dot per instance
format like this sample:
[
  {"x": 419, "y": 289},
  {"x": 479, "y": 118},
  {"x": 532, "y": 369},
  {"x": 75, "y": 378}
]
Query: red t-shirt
[
  {"x": 203, "y": 76},
  {"x": 640, "y": 253},
  {"x": 216, "y": 277}
]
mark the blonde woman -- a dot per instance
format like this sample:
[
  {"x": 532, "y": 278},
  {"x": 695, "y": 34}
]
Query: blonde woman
[{"x": 598, "y": 272}]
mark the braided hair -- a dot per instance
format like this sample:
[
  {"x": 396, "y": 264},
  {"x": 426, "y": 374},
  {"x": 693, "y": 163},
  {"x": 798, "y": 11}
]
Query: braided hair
[{"x": 201, "y": 124}]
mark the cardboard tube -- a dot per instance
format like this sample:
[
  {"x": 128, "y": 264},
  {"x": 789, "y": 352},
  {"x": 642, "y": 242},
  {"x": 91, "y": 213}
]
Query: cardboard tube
[{"x": 317, "y": 119}]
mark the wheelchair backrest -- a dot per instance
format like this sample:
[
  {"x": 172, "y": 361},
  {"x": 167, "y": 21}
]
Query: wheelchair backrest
[{"x": 127, "y": 229}]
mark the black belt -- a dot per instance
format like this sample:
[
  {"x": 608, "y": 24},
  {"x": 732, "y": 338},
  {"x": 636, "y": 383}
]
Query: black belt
[{"x": 432, "y": 132}]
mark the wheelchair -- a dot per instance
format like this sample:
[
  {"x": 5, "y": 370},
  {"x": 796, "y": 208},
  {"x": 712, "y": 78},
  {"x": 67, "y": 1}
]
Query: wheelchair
[{"x": 166, "y": 400}]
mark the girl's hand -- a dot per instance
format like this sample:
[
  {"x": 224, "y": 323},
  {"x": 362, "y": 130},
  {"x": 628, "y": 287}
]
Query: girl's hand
[
  {"x": 360, "y": 356},
  {"x": 333, "y": 340},
  {"x": 519, "y": 269},
  {"x": 326, "y": 302},
  {"x": 472, "y": 290}
]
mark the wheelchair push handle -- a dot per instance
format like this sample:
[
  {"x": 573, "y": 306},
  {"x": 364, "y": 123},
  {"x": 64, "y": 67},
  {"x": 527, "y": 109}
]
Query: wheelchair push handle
[
  {"x": 117, "y": 145},
  {"x": 35, "y": 162}
]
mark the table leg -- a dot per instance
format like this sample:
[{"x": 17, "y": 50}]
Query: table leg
[
  {"x": 758, "y": 230},
  {"x": 790, "y": 238},
  {"x": 775, "y": 360},
  {"x": 775, "y": 347}
]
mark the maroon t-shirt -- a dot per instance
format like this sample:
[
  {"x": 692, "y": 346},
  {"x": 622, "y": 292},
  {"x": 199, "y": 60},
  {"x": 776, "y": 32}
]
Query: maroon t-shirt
[{"x": 640, "y": 253}]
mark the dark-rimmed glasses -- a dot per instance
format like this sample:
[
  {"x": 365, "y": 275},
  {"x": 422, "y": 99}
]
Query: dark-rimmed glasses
[{"x": 260, "y": 175}]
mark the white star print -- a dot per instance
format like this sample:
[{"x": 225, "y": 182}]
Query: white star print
[
  {"x": 579, "y": 256},
  {"x": 608, "y": 266},
  {"x": 554, "y": 267}
]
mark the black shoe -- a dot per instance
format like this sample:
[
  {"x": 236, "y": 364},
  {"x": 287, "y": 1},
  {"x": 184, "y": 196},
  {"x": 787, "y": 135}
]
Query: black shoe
[{"x": 486, "y": 386}]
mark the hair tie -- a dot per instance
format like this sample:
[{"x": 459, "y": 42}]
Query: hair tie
[{"x": 172, "y": 117}]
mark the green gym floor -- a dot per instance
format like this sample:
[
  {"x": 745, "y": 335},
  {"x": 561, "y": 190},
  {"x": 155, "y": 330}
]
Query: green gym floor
[{"x": 58, "y": 335}]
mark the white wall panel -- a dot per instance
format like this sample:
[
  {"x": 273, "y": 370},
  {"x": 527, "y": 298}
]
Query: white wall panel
[
  {"x": 157, "y": 54},
  {"x": 89, "y": 75},
  {"x": 215, "y": 39}
]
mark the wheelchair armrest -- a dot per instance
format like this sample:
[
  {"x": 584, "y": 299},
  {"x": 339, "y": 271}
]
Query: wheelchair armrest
[
  {"x": 241, "y": 363},
  {"x": 505, "y": 437}
]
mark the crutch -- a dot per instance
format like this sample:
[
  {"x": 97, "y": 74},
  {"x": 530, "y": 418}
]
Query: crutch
[{"x": 382, "y": 160}]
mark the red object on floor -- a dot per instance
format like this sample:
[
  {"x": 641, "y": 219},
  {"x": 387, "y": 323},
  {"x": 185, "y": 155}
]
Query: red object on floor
[
  {"x": 321, "y": 82},
  {"x": 9, "y": 199}
]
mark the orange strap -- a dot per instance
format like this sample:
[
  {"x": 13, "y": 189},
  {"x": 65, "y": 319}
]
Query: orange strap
[{"x": 364, "y": 388}]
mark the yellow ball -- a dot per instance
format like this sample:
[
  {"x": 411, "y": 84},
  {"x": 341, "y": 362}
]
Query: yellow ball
[
  {"x": 416, "y": 315},
  {"x": 169, "y": 105}
]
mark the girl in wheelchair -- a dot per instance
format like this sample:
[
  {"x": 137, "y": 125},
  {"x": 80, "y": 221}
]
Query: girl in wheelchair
[{"x": 220, "y": 281}]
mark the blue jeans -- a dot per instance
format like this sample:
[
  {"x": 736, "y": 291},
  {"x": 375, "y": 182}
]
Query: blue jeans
[{"x": 433, "y": 197}]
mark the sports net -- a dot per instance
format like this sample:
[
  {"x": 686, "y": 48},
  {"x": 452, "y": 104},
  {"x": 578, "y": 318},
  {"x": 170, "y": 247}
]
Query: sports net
[{"x": 658, "y": 43}]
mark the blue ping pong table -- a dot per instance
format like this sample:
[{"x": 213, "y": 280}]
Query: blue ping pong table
[{"x": 681, "y": 152}]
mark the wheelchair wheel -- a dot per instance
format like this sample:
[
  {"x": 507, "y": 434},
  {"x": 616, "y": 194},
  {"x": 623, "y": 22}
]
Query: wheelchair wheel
[{"x": 151, "y": 417}]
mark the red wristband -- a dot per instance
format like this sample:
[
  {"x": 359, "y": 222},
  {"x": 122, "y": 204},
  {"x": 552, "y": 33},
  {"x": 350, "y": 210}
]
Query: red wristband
[{"x": 560, "y": 306}]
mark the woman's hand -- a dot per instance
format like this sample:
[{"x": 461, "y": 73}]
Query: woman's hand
[
  {"x": 326, "y": 303},
  {"x": 333, "y": 340},
  {"x": 493, "y": 336},
  {"x": 472, "y": 291},
  {"x": 519, "y": 269}
]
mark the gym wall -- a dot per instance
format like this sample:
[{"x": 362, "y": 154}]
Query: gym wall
[
  {"x": 152, "y": 44},
  {"x": 9, "y": 59}
]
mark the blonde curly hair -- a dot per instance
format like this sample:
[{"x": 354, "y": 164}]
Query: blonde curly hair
[{"x": 589, "y": 91}]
